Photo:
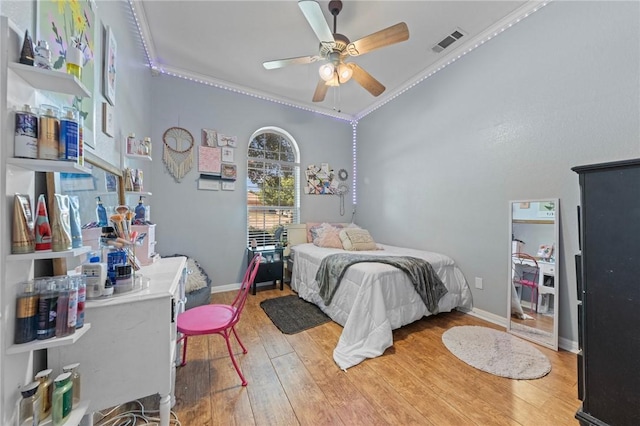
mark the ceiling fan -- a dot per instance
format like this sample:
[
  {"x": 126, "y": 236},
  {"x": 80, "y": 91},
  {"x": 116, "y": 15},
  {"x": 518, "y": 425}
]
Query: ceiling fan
[{"x": 336, "y": 48}]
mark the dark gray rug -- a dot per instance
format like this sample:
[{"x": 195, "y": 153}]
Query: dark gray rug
[{"x": 292, "y": 314}]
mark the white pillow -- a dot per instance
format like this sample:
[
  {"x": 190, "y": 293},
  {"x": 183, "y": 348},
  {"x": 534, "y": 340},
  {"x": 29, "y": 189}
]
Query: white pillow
[
  {"x": 357, "y": 239},
  {"x": 195, "y": 279}
]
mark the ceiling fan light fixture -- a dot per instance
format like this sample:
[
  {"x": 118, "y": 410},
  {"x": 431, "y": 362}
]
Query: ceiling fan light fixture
[
  {"x": 326, "y": 71},
  {"x": 344, "y": 73},
  {"x": 333, "y": 81}
]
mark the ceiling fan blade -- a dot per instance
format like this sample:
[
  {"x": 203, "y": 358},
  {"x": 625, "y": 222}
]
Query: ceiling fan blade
[
  {"x": 312, "y": 12},
  {"x": 392, "y": 35},
  {"x": 301, "y": 60},
  {"x": 321, "y": 91},
  {"x": 365, "y": 80}
]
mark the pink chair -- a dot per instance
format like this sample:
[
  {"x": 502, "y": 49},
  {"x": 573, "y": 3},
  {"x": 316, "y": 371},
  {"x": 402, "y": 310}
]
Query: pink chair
[
  {"x": 526, "y": 260},
  {"x": 219, "y": 319}
]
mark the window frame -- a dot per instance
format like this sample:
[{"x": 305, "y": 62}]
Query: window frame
[{"x": 263, "y": 209}]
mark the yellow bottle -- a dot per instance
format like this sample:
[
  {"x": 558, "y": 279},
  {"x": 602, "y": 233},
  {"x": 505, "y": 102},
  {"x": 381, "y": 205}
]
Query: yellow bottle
[{"x": 74, "y": 61}]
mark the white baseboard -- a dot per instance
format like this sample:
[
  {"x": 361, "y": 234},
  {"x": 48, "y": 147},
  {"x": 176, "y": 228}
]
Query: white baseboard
[
  {"x": 488, "y": 316},
  {"x": 563, "y": 343},
  {"x": 223, "y": 288},
  {"x": 568, "y": 345},
  {"x": 231, "y": 287}
]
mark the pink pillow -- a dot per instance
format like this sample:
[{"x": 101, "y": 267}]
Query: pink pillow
[
  {"x": 311, "y": 227},
  {"x": 329, "y": 236}
]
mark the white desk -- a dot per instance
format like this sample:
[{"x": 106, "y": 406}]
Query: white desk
[
  {"x": 546, "y": 269},
  {"x": 130, "y": 351}
]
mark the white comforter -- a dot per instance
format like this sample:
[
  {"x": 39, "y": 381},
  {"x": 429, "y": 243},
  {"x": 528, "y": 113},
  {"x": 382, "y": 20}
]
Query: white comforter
[{"x": 374, "y": 298}]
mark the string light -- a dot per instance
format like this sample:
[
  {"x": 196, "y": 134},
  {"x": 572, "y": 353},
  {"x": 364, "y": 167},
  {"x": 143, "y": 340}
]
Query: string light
[
  {"x": 344, "y": 72},
  {"x": 333, "y": 76}
]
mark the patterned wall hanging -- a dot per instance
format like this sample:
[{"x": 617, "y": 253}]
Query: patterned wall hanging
[
  {"x": 178, "y": 151},
  {"x": 320, "y": 180}
]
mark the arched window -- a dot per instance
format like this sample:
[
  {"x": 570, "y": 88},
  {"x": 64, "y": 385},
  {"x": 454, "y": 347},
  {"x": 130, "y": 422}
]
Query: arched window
[{"x": 273, "y": 183}]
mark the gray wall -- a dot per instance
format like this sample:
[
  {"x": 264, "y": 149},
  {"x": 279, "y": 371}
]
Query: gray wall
[
  {"x": 506, "y": 122},
  {"x": 131, "y": 110},
  {"x": 210, "y": 226}
]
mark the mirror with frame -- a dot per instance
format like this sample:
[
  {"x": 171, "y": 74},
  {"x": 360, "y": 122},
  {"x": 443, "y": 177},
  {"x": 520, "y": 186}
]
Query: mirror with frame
[
  {"x": 533, "y": 275},
  {"x": 105, "y": 181}
]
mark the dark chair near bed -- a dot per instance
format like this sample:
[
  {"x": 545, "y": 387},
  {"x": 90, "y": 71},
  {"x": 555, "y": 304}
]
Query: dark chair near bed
[
  {"x": 525, "y": 260},
  {"x": 219, "y": 319}
]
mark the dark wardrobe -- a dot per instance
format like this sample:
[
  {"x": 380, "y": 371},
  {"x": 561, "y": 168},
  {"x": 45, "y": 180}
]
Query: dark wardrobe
[{"x": 608, "y": 278}]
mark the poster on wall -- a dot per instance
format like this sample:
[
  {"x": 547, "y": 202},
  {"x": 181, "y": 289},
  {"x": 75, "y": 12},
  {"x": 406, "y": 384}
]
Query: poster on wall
[
  {"x": 229, "y": 172},
  {"x": 227, "y": 154},
  {"x": 67, "y": 25},
  {"x": 209, "y": 160},
  {"x": 209, "y": 137},
  {"x": 109, "y": 72},
  {"x": 320, "y": 180},
  {"x": 224, "y": 140}
]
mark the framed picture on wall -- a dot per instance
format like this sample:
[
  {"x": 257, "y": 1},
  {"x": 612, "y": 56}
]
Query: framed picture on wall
[
  {"x": 63, "y": 25},
  {"x": 229, "y": 172},
  {"x": 108, "y": 125},
  {"x": 227, "y": 154},
  {"x": 109, "y": 70}
]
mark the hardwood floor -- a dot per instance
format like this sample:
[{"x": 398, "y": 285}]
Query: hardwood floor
[{"x": 294, "y": 380}]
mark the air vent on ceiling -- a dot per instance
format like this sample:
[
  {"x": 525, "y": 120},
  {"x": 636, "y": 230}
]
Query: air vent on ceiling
[{"x": 448, "y": 40}]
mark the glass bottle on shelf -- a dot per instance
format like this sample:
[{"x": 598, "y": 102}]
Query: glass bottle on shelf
[
  {"x": 26, "y": 325},
  {"x": 62, "y": 399},
  {"x": 64, "y": 296},
  {"x": 29, "y": 414},
  {"x": 47, "y": 307},
  {"x": 75, "y": 380},
  {"x": 45, "y": 390},
  {"x": 81, "y": 280}
]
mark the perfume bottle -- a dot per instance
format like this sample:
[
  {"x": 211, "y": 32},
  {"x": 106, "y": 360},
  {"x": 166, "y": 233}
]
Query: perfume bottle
[
  {"x": 30, "y": 405},
  {"x": 43, "y": 55}
]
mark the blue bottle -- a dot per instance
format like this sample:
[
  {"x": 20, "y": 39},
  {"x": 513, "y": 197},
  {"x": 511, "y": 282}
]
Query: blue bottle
[
  {"x": 101, "y": 213},
  {"x": 140, "y": 210}
]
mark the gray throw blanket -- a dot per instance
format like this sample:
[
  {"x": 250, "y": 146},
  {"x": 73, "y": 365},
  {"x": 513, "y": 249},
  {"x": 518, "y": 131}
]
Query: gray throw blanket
[{"x": 426, "y": 282}]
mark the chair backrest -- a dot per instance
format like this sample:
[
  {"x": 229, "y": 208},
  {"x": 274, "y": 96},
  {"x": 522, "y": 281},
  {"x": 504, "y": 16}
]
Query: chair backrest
[
  {"x": 525, "y": 259},
  {"x": 247, "y": 282}
]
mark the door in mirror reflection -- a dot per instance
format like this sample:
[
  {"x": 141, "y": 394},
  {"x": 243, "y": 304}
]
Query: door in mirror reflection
[{"x": 533, "y": 275}]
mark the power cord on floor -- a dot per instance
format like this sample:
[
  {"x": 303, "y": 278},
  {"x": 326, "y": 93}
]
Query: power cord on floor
[{"x": 133, "y": 417}]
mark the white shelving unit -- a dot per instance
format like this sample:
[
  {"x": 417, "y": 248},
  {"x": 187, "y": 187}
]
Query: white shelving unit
[
  {"x": 54, "y": 342},
  {"x": 48, "y": 165},
  {"x": 74, "y": 418},
  {"x": 52, "y": 81},
  {"x": 48, "y": 254},
  {"x": 138, "y": 157},
  {"x": 17, "y": 175}
]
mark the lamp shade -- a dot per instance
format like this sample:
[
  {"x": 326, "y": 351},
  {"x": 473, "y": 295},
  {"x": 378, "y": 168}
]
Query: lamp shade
[
  {"x": 344, "y": 73},
  {"x": 326, "y": 71}
]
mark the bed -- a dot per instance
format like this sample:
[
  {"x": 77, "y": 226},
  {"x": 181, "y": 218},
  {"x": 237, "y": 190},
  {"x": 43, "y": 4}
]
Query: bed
[{"x": 373, "y": 299}]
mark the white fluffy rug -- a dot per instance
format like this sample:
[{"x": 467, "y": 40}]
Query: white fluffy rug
[{"x": 496, "y": 352}]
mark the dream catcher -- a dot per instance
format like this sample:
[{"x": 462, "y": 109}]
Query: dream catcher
[
  {"x": 341, "y": 192},
  {"x": 178, "y": 151}
]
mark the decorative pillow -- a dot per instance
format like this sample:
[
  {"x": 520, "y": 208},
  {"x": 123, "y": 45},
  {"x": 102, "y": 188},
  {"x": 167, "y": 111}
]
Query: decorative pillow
[
  {"x": 197, "y": 278},
  {"x": 313, "y": 228},
  {"x": 357, "y": 239},
  {"x": 328, "y": 236}
]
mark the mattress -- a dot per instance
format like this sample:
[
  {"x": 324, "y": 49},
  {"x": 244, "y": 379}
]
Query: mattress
[{"x": 373, "y": 299}]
